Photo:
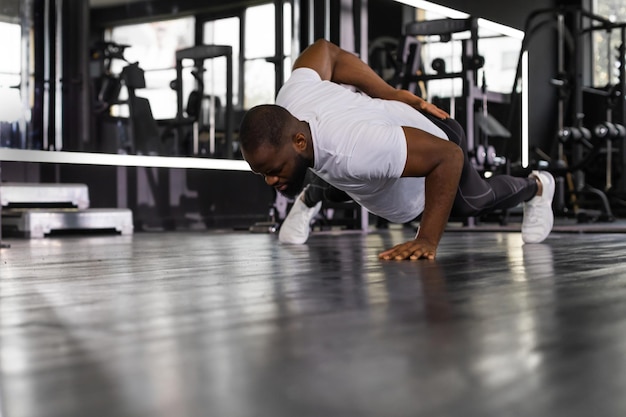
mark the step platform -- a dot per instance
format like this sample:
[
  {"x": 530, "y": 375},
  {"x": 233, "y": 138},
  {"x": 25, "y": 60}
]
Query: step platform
[
  {"x": 13, "y": 194},
  {"x": 37, "y": 223}
]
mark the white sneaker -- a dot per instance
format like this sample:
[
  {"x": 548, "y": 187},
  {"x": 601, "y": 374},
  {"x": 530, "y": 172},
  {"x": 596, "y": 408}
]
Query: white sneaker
[
  {"x": 297, "y": 225},
  {"x": 538, "y": 216}
]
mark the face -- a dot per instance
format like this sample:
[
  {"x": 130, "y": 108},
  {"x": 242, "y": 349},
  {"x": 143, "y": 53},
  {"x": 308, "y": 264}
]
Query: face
[{"x": 284, "y": 169}]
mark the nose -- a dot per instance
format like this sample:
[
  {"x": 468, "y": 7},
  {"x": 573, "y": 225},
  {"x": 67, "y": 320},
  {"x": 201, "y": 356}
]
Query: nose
[{"x": 271, "y": 180}]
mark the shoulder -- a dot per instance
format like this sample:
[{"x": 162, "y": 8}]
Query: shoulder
[
  {"x": 297, "y": 84},
  {"x": 304, "y": 74}
]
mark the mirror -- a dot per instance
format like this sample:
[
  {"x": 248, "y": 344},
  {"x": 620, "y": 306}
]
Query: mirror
[
  {"x": 148, "y": 78},
  {"x": 15, "y": 84},
  {"x": 136, "y": 86}
]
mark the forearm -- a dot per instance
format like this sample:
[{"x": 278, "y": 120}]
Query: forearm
[
  {"x": 349, "y": 69},
  {"x": 441, "y": 188}
]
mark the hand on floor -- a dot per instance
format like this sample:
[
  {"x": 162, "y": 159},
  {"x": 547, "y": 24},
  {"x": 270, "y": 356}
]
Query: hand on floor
[{"x": 411, "y": 250}]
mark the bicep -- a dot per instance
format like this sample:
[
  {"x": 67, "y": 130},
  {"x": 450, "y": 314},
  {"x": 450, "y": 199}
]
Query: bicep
[{"x": 424, "y": 152}]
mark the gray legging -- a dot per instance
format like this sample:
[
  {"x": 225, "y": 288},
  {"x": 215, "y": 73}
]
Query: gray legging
[{"x": 475, "y": 196}]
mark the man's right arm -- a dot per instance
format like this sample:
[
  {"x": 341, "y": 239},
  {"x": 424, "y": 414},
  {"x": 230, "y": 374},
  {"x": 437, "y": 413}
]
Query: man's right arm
[
  {"x": 440, "y": 162},
  {"x": 335, "y": 64}
]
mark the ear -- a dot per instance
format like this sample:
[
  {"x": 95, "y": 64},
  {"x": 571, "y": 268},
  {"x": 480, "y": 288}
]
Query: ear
[{"x": 299, "y": 142}]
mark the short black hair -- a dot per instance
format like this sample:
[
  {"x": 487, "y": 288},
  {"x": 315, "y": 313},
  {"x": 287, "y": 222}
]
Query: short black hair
[{"x": 264, "y": 124}]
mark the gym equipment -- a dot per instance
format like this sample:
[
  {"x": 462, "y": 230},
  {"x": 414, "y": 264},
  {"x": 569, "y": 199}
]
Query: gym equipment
[
  {"x": 36, "y": 224},
  {"x": 70, "y": 195},
  {"x": 106, "y": 84},
  {"x": 146, "y": 135},
  {"x": 488, "y": 127},
  {"x": 269, "y": 226},
  {"x": 2, "y": 245},
  {"x": 577, "y": 146},
  {"x": 487, "y": 157},
  {"x": 609, "y": 131},
  {"x": 34, "y": 210},
  {"x": 479, "y": 124},
  {"x": 137, "y": 133},
  {"x": 192, "y": 114},
  {"x": 145, "y": 132}
]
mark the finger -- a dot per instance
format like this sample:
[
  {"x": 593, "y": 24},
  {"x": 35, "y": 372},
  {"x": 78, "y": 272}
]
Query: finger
[
  {"x": 436, "y": 111},
  {"x": 402, "y": 255},
  {"x": 425, "y": 255},
  {"x": 409, "y": 252},
  {"x": 398, "y": 254},
  {"x": 390, "y": 253},
  {"x": 415, "y": 254},
  {"x": 442, "y": 114},
  {"x": 395, "y": 255},
  {"x": 387, "y": 254}
]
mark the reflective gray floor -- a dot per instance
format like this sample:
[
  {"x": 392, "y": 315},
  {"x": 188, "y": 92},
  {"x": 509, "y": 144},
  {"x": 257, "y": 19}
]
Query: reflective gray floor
[{"x": 233, "y": 324}]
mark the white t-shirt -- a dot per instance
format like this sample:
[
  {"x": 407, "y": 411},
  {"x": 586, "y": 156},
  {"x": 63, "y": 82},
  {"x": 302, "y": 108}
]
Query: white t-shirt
[{"x": 359, "y": 144}]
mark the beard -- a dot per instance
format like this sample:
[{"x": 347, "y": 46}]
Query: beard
[{"x": 296, "y": 182}]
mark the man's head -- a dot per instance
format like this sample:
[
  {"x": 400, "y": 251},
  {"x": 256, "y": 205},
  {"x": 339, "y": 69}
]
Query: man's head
[{"x": 277, "y": 146}]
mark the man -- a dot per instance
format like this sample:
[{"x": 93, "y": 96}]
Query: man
[{"x": 384, "y": 148}]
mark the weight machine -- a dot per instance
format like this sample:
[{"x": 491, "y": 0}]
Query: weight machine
[
  {"x": 579, "y": 146},
  {"x": 192, "y": 115},
  {"x": 177, "y": 136},
  {"x": 479, "y": 124},
  {"x": 611, "y": 129}
]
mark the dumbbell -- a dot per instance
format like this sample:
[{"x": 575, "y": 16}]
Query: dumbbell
[
  {"x": 575, "y": 134},
  {"x": 605, "y": 130},
  {"x": 609, "y": 131},
  {"x": 486, "y": 157},
  {"x": 483, "y": 154}
]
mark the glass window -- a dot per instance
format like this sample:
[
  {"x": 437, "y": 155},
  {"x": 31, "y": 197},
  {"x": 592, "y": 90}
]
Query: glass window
[
  {"x": 501, "y": 54},
  {"x": 499, "y": 51},
  {"x": 260, "y": 82},
  {"x": 10, "y": 66},
  {"x": 153, "y": 46},
  {"x": 259, "y": 79},
  {"x": 260, "y": 33},
  {"x": 259, "y": 75},
  {"x": 287, "y": 41},
  {"x": 614, "y": 10},
  {"x": 11, "y": 54}
]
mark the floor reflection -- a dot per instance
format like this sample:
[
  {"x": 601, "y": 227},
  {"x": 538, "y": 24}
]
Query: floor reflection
[{"x": 238, "y": 325}]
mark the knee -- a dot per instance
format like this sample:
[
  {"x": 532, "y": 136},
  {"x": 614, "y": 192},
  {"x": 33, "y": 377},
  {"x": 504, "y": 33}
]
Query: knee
[{"x": 457, "y": 154}]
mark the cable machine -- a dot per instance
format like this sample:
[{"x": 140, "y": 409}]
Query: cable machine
[
  {"x": 479, "y": 124},
  {"x": 579, "y": 146}
]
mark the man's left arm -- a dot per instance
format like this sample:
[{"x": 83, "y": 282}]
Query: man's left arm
[
  {"x": 440, "y": 162},
  {"x": 335, "y": 64}
]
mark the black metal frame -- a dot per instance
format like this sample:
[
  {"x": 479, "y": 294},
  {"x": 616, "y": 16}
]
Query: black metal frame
[
  {"x": 199, "y": 54},
  {"x": 469, "y": 74}
]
